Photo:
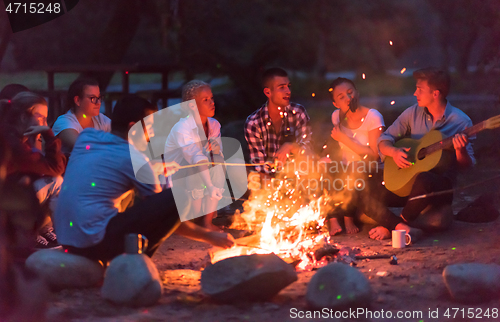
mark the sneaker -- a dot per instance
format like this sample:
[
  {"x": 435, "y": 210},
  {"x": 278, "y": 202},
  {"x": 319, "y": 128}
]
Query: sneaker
[{"x": 42, "y": 243}]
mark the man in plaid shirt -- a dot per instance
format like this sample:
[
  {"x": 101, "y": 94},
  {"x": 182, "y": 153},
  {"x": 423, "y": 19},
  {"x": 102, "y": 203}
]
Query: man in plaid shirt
[{"x": 279, "y": 128}]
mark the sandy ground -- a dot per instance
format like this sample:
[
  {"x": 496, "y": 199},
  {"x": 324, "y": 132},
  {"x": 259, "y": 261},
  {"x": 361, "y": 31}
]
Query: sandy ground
[{"x": 414, "y": 285}]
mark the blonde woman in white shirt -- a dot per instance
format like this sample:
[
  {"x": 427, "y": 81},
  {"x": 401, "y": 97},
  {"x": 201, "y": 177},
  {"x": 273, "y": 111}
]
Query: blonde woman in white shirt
[
  {"x": 196, "y": 139},
  {"x": 357, "y": 129}
]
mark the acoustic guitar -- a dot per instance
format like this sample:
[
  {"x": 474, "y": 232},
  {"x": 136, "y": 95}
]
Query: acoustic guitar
[{"x": 432, "y": 151}]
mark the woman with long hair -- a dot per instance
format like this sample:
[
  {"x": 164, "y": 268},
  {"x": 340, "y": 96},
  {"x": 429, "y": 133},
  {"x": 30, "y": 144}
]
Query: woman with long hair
[
  {"x": 356, "y": 128},
  {"x": 24, "y": 127},
  {"x": 83, "y": 102}
]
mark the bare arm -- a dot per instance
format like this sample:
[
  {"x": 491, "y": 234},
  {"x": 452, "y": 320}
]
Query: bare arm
[
  {"x": 398, "y": 154},
  {"x": 460, "y": 142},
  {"x": 68, "y": 138},
  {"x": 195, "y": 232}
]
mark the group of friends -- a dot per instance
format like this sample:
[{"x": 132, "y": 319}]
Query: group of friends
[
  {"x": 79, "y": 174},
  {"x": 280, "y": 129}
]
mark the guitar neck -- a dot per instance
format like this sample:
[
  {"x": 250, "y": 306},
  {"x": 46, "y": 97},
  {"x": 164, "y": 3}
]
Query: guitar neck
[{"x": 448, "y": 142}]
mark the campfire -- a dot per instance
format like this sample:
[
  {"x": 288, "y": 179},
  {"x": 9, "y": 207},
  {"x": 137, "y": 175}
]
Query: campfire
[{"x": 288, "y": 218}]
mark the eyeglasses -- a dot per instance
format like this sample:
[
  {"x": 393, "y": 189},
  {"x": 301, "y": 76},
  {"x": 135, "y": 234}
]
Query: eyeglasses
[{"x": 95, "y": 99}]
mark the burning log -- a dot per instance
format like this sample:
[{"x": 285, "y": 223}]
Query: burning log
[{"x": 326, "y": 250}]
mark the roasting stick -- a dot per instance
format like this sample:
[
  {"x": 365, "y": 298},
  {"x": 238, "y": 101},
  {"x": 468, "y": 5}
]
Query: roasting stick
[
  {"x": 223, "y": 163},
  {"x": 438, "y": 193}
]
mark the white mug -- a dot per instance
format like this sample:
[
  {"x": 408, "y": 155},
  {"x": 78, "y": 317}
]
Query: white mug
[{"x": 400, "y": 239}]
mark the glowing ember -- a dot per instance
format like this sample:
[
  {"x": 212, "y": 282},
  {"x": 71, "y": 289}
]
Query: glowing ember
[
  {"x": 364, "y": 76},
  {"x": 390, "y": 42},
  {"x": 393, "y": 102},
  {"x": 313, "y": 94},
  {"x": 403, "y": 70}
]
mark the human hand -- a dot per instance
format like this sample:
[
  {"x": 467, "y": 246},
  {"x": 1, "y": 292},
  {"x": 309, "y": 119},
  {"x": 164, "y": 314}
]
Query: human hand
[
  {"x": 214, "y": 192},
  {"x": 460, "y": 141},
  {"x": 159, "y": 168},
  {"x": 36, "y": 129},
  {"x": 218, "y": 239},
  {"x": 170, "y": 168},
  {"x": 284, "y": 152},
  {"x": 401, "y": 157},
  {"x": 337, "y": 134},
  {"x": 213, "y": 146}
]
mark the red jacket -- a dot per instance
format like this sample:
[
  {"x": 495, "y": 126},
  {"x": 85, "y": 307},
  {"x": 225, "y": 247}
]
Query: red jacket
[{"x": 25, "y": 161}]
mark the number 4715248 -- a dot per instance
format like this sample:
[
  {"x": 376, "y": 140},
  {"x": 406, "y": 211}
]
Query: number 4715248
[
  {"x": 33, "y": 7},
  {"x": 471, "y": 313}
]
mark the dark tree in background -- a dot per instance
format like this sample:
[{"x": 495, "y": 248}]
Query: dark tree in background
[
  {"x": 467, "y": 28},
  {"x": 238, "y": 39}
]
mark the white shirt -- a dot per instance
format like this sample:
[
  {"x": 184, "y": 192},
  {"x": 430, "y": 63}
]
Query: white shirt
[
  {"x": 372, "y": 121},
  {"x": 185, "y": 143},
  {"x": 69, "y": 121},
  {"x": 99, "y": 175}
]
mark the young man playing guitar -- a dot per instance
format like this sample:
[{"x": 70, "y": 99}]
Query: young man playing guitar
[{"x": 432, "y": 112}]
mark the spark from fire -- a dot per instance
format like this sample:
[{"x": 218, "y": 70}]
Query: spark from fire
[
  {"x": 403, "y": 70},
  {"x": 364, "y": 76},
  {"x": 390, "y": 42},
  {"x": 288, "y": 220},
  {"x": 393, "y": 102}
]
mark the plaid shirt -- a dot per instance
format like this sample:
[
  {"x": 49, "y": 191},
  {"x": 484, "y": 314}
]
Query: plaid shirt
[{"x": 264, "y": 142}]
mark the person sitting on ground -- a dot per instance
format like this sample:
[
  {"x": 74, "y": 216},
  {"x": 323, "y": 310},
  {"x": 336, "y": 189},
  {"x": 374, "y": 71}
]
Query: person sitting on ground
[
  {"x": 196, "y": 139},
  {"x": 83, "y": 102},
  {"x": 87, "y": 218},
  {"x": 356, "y": 128},
  {"x": 24, "y": 124},
  {"x": 279, "y": 128},
  {"x": 432, "y": 112}
]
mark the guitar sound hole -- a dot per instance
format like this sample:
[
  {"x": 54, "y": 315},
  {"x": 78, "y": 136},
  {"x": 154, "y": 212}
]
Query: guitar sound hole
[{"x": 421, "y": 154}]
